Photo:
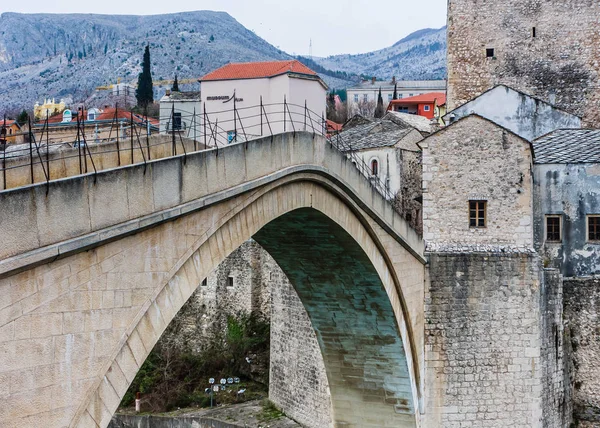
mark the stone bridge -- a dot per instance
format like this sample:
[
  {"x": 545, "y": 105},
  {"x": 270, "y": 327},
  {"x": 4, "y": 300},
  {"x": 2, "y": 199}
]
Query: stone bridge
[{"x": 94, "y": 268}]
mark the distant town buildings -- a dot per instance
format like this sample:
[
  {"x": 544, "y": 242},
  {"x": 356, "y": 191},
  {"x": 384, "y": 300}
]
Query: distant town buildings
[
  {"x": 10, "y": 132},
  {"x": 258, "y": 90},
  {"x": 430, "y": 105},
  {"x": 48, "y": 108},
  {"x": 368, "y": 90}
]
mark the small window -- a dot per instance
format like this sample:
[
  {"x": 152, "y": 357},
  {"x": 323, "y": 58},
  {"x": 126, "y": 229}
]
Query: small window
[
  {"x": 355, "y": 98},
  {"x": 534, "y": 32},
  {"x": 489, "y": 53},
  {"x": 10, "y": 131},
  {"x": 204, "y": 282},
  {"x": 594, "y": 228},
  {"x": 390, "y": 96},
  {"x": 553, "y": 232},
  {"x": 176, "y": 121},
  {"x": 427, "y": 108},
  {"x": 374, "y": 167},
  {"x": 230, "y": 281},
  {"x": 400, "y": 96},
  {"x": 411, "y": 95},
  {"x": 366, "y": 97},
  {"x": 477, "y": 212}
]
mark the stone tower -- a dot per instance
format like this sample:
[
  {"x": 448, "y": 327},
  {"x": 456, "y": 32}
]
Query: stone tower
[{"x": 546, "y": 48}]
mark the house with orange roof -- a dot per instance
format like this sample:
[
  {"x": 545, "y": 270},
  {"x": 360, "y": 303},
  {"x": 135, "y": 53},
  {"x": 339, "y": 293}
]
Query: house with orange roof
[
  {"x": 268, "y": 98},
  {"x": 430, "y": 105},
  {"x": 10, "y": 132}
]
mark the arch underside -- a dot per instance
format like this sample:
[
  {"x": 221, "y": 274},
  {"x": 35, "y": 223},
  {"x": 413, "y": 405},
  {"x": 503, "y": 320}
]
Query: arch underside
[
  {"x": 352, "y": 315},
  {"x": 338, "y": 270}
]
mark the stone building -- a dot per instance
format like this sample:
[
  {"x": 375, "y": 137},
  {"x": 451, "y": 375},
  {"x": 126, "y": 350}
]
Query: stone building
[
  {"x": 389, "y": 149},
  {"x": 494, "y": 333},
  {"x": 548, "y": 49}
]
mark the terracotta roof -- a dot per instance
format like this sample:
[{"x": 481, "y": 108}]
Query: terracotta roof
[
  {"x": 333, "y": 126},
  {"x": 107, "y": 114},
  {"x": 438, "y": 97},
  {"x": 257, "y": 70},
  {"x": 8, "y": 123}
]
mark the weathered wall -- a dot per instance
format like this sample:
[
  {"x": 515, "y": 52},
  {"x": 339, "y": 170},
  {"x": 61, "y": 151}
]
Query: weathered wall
[
  {"x": 571, "y": 191},
  {"x": 298, "y": 382},
  {"x": 582, "y": 320},
  {"x": 527, "y": 117},
  {"x": 489, "y": 360},
  {"x": 558, "y": 65},
  {"x": 473, "y": 159}
]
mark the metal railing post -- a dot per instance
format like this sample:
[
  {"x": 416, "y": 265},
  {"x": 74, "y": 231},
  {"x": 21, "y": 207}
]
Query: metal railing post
[
  {"x": 30, "y": 151},
  {"x": 284, "y": 104},
  {"x": 261, "y": 119},
  {"x": 131, "y": 132},
  {"x": 305, "y": 111},
  {"x": 194, "y": 119},
  {"x": 173, "y": 146},
  {"x": 204, "y": 123},
  {"x": 234, "y": 119}
]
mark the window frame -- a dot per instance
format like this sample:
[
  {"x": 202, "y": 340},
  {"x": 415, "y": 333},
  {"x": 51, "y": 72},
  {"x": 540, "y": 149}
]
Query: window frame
[
  {"x": 177, "y": 124},
  {"x": 427, "y": 108},
  {"x": 477, "y": 211},
  {"x": 230, "y": 281},
  {"x": 374, "y": 171},
  {"x": 560, "y": 227},
  {"x": 587, "y": 228}
]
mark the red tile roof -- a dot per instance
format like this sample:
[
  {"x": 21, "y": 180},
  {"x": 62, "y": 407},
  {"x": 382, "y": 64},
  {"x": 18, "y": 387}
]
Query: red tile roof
[
  {"x": 8, "y": 123},
  {"x": 333, "y": 126},
  {"x": 257, "y": 70},
  {"x": 107, "y": 114},
  {"x": 438, "y": 97}
]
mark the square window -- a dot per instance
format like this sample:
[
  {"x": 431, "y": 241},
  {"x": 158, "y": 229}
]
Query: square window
[
  {"x": 427, "y": 108},
  {"x": 553, "y": 228},
  {"x": 477, "y": 213},
  {"x": 593, "y": 224},
  {"x": 489, "y": 53}
]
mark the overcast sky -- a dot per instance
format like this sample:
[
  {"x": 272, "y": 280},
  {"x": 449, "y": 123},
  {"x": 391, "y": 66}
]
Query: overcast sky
[{"x": 335, "y": 26}]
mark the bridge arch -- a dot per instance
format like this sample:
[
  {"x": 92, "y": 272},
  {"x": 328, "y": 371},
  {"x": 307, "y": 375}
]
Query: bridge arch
[
  {"x": 370, "y": 374},
  {"x": 83, "y": 302}
]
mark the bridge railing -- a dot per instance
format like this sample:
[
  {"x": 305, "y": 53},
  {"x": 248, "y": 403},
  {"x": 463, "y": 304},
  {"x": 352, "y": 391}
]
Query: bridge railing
[{"x": 105, "y": 144}]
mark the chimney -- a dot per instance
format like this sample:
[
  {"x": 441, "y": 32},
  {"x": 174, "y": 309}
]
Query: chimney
[{"x": 373, "y": 80}]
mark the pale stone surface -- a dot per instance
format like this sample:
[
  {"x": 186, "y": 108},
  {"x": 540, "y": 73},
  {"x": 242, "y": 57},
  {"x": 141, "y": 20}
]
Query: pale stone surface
[{"x": 137, "y": 274}]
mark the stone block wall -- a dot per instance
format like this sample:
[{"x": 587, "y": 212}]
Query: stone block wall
[
  {"x": 582, "y": 321},
  {"x": 474, "y": 159},
  {"x": 489, "y": 361},
  {"x": 558, "y": 63},
  {"x": 298, "y": 381}
]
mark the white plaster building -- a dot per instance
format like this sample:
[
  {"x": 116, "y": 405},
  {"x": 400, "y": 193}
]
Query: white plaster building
[{"x": 247, "y": 86}]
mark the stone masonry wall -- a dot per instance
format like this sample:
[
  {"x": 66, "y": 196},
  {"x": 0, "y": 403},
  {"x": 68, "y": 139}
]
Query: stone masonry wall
[
  {"x": 582, "y": 321},
  {"x": 558, "y": 64},
  {"x": 473, "y": 159},
  {"x": 298, "y": 381},
  {"x": 489, "y": 362}
]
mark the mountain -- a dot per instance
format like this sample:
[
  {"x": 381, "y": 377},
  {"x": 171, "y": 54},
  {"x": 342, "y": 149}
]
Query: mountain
[
  {"x": 420, "y": 55},
  {"x": 69, "y": 55}
]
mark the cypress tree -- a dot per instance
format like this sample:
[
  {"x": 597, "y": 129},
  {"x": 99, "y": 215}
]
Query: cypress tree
[
  {"x": 175, "y": 87},
  {"x": 379, "y": 110},
  {"x": 144, "y": 92},
  {"x": 395, "y": 97}
]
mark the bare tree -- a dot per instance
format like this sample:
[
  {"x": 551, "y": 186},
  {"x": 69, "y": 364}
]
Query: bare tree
[{"x": 366, "y": 108}]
